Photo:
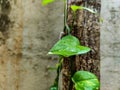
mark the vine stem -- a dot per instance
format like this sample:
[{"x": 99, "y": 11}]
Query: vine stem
[
  {"x": 59, "y": 67},
  {"x": 66, "y": 27}
]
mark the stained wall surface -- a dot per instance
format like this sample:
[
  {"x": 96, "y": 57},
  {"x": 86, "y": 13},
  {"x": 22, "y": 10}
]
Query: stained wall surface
[
  {"x": 42, "y": 26},
  {"x": 27, "y": 31},
  {"x": 110, "y": 45}
]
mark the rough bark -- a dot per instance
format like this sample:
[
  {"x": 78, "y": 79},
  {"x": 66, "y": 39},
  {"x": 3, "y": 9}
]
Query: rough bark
[{"x": 85, "y": 27}]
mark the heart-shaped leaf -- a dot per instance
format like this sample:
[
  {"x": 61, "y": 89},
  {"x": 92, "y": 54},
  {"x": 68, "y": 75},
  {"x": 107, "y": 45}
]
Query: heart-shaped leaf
[
  {"x": 68, "y": 46},
  {"x": 85, "y": 81}
]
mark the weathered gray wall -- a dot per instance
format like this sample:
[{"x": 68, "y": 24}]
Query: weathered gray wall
[
  {"x": 42, "y": 26},
  {"x": 110, "y": 45},
  {"x": 24, "y": 42},
  {"x": 27, "y": 32}
]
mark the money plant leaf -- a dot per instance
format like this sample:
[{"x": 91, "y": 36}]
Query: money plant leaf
[
  {"x": 85, "y": 80},
  {"x": 68, "y": 46}
]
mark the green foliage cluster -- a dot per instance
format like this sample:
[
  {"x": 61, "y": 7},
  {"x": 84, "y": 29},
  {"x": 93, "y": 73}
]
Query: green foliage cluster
[{"x": 68, "y": 46}]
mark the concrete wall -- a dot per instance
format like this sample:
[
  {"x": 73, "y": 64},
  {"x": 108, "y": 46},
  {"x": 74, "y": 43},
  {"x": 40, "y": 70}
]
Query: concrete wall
[
  {"x": 110, "y": 45},
  {"x": 11, "y": 29},
  {"x": 27, "y": 32},
  {"x": 42, "y": 26}
]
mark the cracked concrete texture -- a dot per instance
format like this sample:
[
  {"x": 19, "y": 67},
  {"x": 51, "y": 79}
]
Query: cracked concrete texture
[{"x": 110, "y": 45}]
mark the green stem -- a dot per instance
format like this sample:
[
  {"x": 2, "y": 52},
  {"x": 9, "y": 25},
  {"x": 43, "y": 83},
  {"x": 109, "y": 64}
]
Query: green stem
[
  {"x": 59, "y": 67},
  {"x": 64, "y": 12},
  {"x": 66, "y": 27}
]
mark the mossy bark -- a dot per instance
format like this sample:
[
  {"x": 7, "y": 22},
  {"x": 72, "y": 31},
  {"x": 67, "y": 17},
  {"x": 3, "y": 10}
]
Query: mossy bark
[{"x": 85, "y": 26}]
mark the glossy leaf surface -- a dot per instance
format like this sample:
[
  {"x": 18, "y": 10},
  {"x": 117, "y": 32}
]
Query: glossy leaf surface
[
  {"x": 68, "y": 46},
  {"x": 84, "y": 80}
]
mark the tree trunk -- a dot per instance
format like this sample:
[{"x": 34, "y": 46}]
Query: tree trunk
[{"x": 86, "y": 27}]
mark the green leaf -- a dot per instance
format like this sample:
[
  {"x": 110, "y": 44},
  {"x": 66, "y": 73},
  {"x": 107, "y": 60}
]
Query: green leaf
[
  {"x": 68, "y": 46},
  {"x": 75, "y": 8},
  {"x": 45, "y": 2},
  {"x": 85, "y": 80},
  {"x": 53, "y": 88}
]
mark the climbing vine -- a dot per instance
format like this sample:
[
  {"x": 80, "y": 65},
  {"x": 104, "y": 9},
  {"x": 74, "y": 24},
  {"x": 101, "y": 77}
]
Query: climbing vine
[{"x": 68, "y": 46}]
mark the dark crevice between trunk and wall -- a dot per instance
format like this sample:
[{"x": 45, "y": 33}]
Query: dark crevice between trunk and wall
[{"x": 86, "y": 27}]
